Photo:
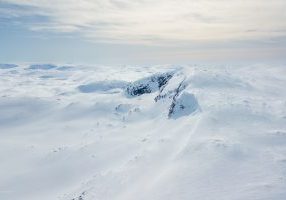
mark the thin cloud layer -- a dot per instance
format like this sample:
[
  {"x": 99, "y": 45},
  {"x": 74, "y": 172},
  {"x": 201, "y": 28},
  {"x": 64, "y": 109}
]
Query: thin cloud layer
[{"x": 154, "y": 22}]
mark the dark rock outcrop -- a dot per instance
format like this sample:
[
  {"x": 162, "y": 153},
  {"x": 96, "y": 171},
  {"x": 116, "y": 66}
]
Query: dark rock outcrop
[{"x": 148, "y": 85}]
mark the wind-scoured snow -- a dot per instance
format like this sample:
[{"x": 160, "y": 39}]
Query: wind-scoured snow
[{"x": 192, "y": 132}]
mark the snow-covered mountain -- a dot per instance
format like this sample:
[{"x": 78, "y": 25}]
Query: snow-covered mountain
[{"x": 144, "y": 133}]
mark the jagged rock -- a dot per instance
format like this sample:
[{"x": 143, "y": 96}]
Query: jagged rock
[
  {"x": 182, "y": 105},
  {"x": 148, "y": 85},
  {"x": 177, "y": 84},
  {"x": 173, "y": 93}
]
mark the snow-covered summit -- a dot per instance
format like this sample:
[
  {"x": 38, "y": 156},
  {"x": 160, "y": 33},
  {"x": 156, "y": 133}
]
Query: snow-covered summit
[{"x": 158, "y": 132}]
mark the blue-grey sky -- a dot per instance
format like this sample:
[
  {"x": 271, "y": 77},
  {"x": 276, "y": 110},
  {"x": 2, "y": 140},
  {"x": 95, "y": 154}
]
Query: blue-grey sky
[{"x": 142, "y": 31}]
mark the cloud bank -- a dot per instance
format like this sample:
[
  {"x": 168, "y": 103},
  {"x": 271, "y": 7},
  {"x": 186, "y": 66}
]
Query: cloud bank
[{"x": 153, "y": 22}]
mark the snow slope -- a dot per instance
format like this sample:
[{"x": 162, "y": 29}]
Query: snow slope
[{"x": 206, "y": 133}]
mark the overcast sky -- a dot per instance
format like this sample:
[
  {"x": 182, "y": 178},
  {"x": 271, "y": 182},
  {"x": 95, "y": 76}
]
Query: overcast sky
[{"x": 142, "y": 31}]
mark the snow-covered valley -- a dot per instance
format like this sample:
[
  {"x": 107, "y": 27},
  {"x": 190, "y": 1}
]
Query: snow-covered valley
[{"x": 144, "y": 133}]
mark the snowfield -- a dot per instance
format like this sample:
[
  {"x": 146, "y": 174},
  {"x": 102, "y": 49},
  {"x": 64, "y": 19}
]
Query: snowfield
[{"x": 142, "y": 133}]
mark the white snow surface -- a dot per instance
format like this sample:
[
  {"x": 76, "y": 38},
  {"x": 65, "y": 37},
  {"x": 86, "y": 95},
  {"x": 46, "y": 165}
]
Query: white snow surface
[{"x": 70, "y": 133}]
